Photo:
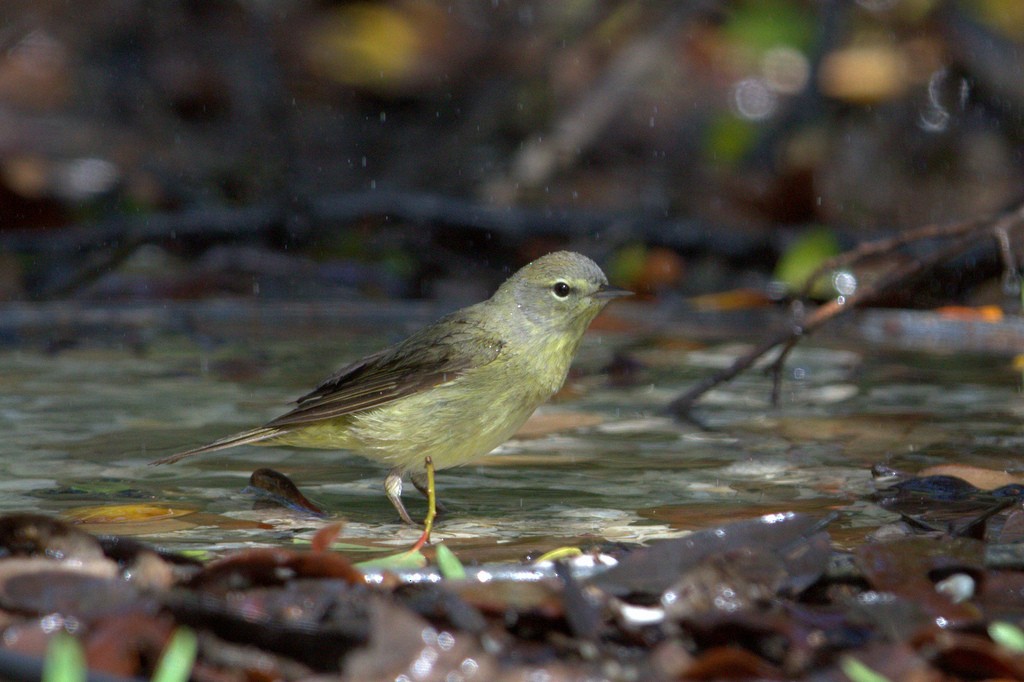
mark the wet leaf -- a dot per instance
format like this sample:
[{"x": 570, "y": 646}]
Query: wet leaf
[
  {"x": 41, "y": 586},
  {"x": 170, "y": 523},
  {"x": 542, "y": 598},
  {"x": 272, "y": 566},
  {"x": 124, "y": 513},
  {"x": 437, "y": 603},
  {"x": 727, "y": 582},
  {"x": 325, "y": 537},
  {"x": 449, "y": 565},
  {"x": 971, "y": 656},
  {"x": 986, "y": 479},
  {"x": 65, "y": 660},
  {"x": 731, "y": 662},
  {"x": 130, "y": 519},
  {"x": 405, "y": 646},
  {"x": 276, "y": 489},
  {"x": 793, "y": 538},
  {"x": 941, "y": 489},
  {"x": 313, "y": 621},
  {"x": 904, "y": 567},
  {"x": 947, "y": 504},
  {"x": 35, "y": 534}
]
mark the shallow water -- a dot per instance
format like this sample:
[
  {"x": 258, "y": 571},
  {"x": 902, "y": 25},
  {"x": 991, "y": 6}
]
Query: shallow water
[{"x": 82, "y": 422}]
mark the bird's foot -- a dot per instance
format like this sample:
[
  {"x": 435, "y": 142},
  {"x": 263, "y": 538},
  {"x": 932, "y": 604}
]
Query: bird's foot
[{"x": 393, "y": 489}]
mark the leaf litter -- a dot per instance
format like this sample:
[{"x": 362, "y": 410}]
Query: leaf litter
[{"x": 937, "y": 594}]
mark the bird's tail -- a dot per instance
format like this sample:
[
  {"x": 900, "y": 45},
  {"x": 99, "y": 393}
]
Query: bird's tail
[{"x": 251, "y": 436}]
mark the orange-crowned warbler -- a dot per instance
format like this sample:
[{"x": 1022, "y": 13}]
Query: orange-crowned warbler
[{"x": 454, "y": 390}]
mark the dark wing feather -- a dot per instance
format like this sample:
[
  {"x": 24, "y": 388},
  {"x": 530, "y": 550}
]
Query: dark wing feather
[
  {"x": 430, "y": 357},
  {"x": 250, "y": 436}
]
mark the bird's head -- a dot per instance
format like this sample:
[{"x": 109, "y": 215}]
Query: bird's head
[{"x": 560, "y": 292}]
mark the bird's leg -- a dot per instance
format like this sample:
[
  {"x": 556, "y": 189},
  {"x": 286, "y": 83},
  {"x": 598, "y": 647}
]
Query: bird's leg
[
  {"x": 419, "y": 480},
  {"x": 393, "y": 489},
  {"x": 428, "y": 522}
]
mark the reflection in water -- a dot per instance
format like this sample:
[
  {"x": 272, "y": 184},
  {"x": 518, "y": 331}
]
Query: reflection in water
[{"x": 81, "y": 425}]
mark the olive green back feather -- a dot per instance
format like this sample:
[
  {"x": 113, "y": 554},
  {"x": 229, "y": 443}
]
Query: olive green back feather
[{"x": 424, "y": 360}]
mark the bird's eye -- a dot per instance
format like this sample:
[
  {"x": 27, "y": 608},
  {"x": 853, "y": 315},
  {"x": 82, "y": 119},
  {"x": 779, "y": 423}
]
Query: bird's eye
[{"x": 561, "y": 289}]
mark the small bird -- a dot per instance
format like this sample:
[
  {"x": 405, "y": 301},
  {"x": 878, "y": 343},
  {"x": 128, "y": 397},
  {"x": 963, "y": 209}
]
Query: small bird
[{"x": 454, "y": 390}]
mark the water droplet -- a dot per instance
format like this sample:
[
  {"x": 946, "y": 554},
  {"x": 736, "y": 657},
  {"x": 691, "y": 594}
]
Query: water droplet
[
  {"x": 753, "y": 100},
  {"x": 845, "y": 283}
]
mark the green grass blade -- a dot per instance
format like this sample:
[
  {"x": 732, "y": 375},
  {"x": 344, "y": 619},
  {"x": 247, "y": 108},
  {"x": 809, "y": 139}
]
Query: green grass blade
[
  {"x": 178, "y": 658},
  {"x": 858, "y": 672},
  {"x": 449, "y": 565},
  {"x": 394, "y": 562},
  {"x": 65, "y": 660},
  {"x": 1007, "y": 635}
]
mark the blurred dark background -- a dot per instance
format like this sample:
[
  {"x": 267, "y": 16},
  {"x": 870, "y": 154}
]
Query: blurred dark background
[{"x": 294, "y": 148}]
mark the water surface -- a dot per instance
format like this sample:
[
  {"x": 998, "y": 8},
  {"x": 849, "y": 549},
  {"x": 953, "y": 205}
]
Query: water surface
[{"x": 81, "y": 422}]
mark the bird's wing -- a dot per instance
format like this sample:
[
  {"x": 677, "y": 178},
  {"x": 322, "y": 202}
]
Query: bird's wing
[{"x": 424, "y": 360}]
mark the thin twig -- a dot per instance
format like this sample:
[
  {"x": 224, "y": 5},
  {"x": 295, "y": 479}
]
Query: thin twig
[
  {"x": 964, "y": 235},
  {"x": 779, "y": 363},
  {"x": 879, "y": 247}
]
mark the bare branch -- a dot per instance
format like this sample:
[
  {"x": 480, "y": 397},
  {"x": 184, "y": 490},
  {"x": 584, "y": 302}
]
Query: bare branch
[{"x": 962, "y": 235}]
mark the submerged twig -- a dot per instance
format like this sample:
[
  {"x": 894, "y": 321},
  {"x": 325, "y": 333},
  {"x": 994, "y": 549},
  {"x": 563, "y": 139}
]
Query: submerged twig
[{"x": 963, "y": 235}]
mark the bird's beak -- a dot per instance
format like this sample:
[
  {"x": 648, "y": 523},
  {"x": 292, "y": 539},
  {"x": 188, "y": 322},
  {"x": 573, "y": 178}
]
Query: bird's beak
[{"x": 606, "y": 291}]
